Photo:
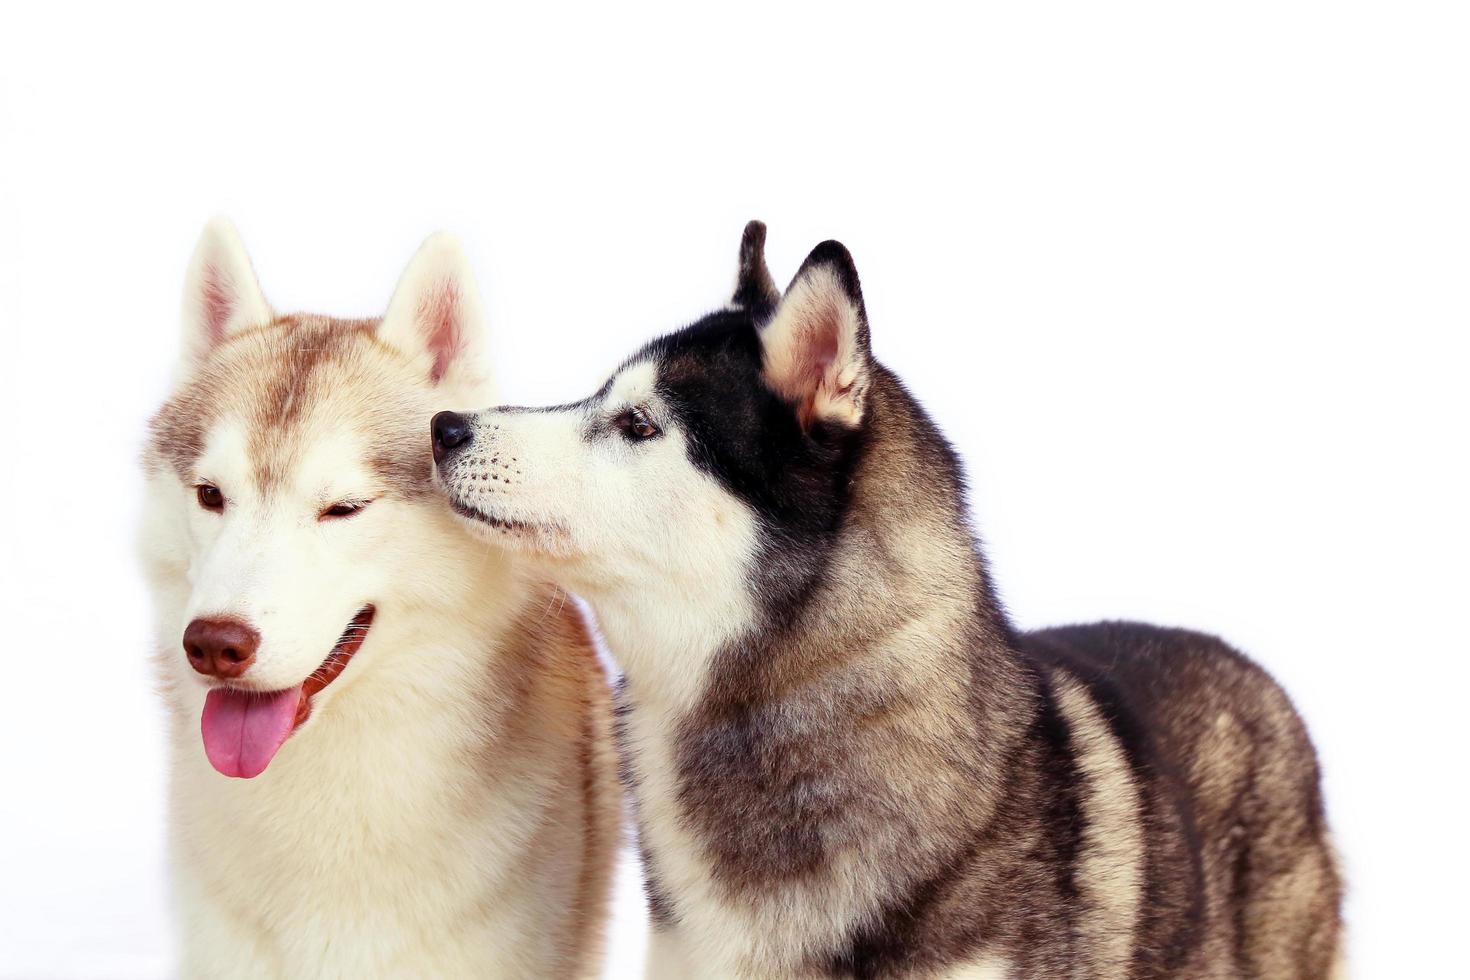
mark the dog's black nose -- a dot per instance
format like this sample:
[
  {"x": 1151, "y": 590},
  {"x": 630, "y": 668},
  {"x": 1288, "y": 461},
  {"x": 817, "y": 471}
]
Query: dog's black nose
[{"x": 451, "y": 432}]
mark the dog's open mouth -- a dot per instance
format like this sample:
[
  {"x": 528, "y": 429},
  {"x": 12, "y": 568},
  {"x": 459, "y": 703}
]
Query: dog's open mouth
[
  {"x": 347, "y": 645},
  {"x": 243, "y": 730}
]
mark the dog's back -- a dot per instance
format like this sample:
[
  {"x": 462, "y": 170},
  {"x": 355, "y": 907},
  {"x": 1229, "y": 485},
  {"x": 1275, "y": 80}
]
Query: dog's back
[{"x": 1227, "y": 796}]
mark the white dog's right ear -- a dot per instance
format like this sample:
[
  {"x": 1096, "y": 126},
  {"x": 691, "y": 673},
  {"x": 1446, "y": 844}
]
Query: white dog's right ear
[
  {"x": 435, "y": 315},
  {"x": 221, "y": 295}
]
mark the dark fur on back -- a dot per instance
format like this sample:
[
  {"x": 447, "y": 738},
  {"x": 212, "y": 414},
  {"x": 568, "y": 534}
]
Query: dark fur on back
[{"x": 988, "y": 784}]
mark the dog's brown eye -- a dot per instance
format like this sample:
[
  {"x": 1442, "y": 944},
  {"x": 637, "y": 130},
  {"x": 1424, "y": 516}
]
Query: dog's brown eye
[
  {"x": 636, "y": 425},
  {"x": 210, "y": 497},
  {"x": 346, "y": 508}
]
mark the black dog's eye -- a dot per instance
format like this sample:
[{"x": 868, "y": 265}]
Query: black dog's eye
[
  {"x": 346, "y": 508},
  {"x": 636, "y": 425},
  {"x": 210, "y": 497}
]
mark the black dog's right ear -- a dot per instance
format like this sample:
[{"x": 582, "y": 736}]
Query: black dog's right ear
[
  {"x": 755, "y": 291},
  {"x": 815, "y": 347}
]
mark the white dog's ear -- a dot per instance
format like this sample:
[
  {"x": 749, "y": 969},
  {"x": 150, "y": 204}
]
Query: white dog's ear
[
  {"x": 435, "y": 315},
  {"x": 816, "y": 343},
  {"x": 221, "y": 295}
]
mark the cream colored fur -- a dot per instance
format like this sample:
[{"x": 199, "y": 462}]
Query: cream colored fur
[
  {"x": 1111, "y": 870},
  {"x": 436, "y": 814}
]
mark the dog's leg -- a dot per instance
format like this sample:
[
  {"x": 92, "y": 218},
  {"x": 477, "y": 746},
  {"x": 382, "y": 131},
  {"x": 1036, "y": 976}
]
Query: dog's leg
[{"x": 1290, "y": 886}]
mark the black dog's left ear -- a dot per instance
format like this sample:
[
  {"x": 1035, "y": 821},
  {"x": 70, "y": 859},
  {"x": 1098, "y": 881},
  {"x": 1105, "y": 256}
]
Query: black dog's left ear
[
  {"x": 816, "y": 344},
  {"x": 755, "y": 292}
]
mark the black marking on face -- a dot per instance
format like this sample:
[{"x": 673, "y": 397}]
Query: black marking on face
[{"x": 709, "y": 378}]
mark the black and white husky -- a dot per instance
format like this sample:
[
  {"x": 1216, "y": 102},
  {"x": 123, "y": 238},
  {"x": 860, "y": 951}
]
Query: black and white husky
[{"x": 845, "y": 760}]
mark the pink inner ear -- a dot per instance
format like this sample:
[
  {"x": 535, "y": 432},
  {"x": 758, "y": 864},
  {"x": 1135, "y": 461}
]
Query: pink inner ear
[
  {"x": 816, "y": 345},
  {"x": 217, "y": 303},
  {"x": 813, "y": 350},
  {"x": 439, "y": 319}
]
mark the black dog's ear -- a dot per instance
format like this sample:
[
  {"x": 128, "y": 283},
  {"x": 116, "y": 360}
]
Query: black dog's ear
[
  {"x": 755, "y": 291},
  {"x": 816, "y": 345}
]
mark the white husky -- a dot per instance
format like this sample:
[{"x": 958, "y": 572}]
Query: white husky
[{"x": 423, "y": 733}]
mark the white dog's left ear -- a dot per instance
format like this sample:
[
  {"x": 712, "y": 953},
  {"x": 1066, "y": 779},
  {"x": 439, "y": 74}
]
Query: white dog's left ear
[
  {"x": 435, "y": 315},
  {"x": 816, "y": 343}
]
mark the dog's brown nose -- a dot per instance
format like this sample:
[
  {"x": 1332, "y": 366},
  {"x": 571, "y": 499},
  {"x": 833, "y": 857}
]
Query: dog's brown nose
[{"x": 220, "y": 647}]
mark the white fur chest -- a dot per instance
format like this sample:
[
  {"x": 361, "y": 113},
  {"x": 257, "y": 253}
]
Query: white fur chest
[
  {"x": 370, "y": 847},
  {"x": 710, "y": 940}
]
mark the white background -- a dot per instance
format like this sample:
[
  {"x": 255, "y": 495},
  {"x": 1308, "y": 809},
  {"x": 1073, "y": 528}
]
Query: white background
[{"x": 1188, "y": 287}]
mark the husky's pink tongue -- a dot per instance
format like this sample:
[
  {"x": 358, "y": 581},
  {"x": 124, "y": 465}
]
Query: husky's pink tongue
[{"x": 243, "y": 730}]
